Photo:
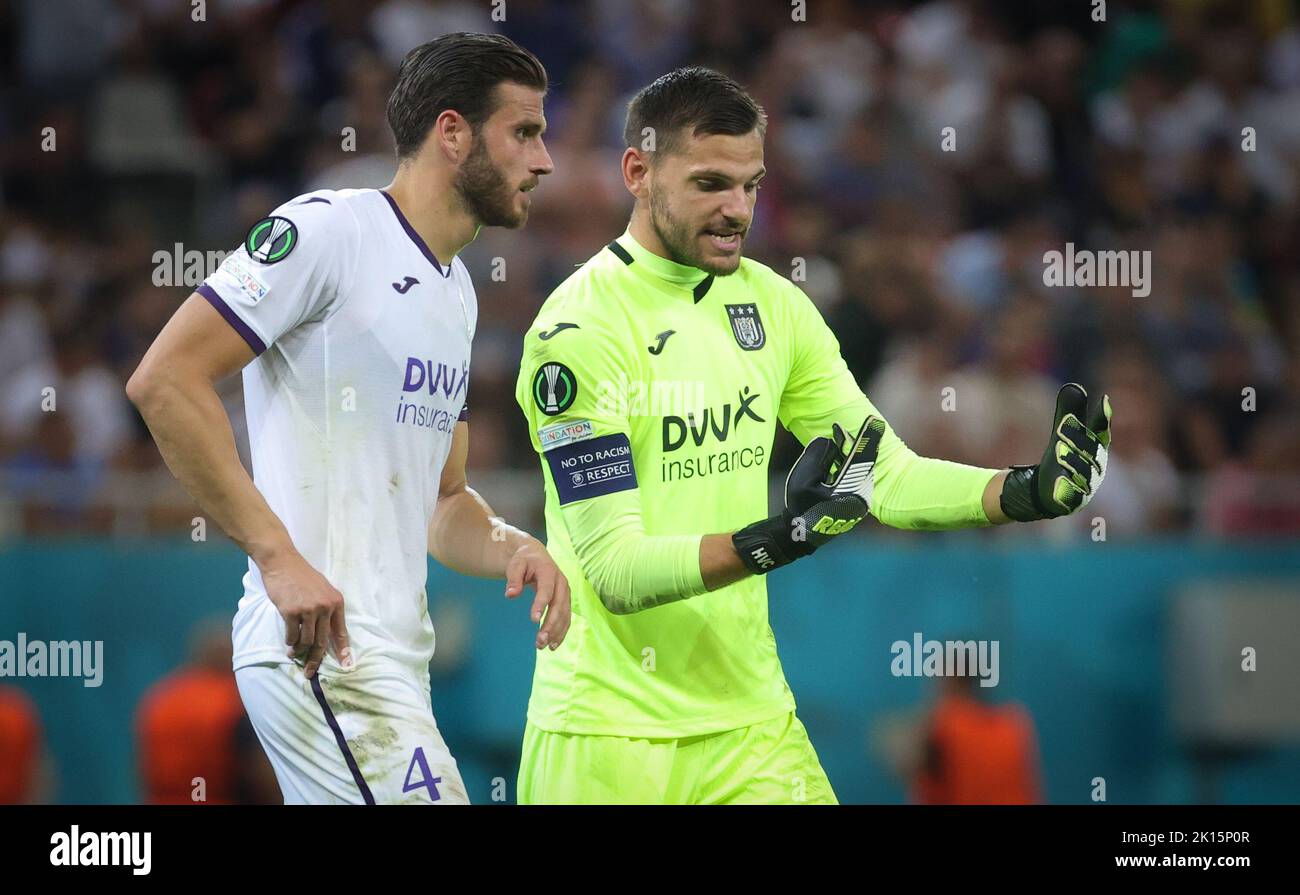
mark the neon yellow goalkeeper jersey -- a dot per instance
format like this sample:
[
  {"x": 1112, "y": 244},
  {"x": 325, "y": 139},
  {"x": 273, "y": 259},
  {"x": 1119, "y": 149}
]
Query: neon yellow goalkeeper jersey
[{"x": 652, "y": 393}]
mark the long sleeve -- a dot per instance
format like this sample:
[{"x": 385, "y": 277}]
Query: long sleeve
[
  {"x": 910, "y": 491},
  {"x": 584, "y": 441}
]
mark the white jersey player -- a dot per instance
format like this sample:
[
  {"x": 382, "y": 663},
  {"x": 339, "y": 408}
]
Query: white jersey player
[{"x": 352, "y": 320}]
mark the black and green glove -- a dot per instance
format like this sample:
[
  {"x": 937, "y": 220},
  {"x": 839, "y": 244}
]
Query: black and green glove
[
  {"x": 1072, "y": 467},
  {"x": 827, "y": 493}
]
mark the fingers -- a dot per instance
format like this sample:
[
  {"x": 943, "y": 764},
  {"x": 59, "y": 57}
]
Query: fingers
[
  {"x": 1071, "y": 399},
  {"x": 813, "y": 468},
  {"x": 315, "y": 639},
  {"x": 552, "y": 599},
  {"x": 1072, "y": 432},
  {"x": 292, "y": 632},
  {"x": 339, "y": 637},
  {"x": 1067, "y": 495},
  {"x": 875, "y": 433},
  {"x": 544, "y": 581},
  {"x": 1099, "y": 422},
  {"x": 306, "y": 635},
  {"x": 821, "y": 455},
  {"x": 557, "y": 615},
  {"x": 1079, "y": 469},
  {"x": 316, "y": 654},
  {"x": 515, "y": 571},
  {"x": 856, "y": 475}
]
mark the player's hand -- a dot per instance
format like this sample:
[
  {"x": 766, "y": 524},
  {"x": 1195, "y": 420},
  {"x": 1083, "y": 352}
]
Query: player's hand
[
  {"x": 827, "y": 493},
  {"x": 531, "y": 564},
  {"x": 312, "y": 610},
  {"x": 1073, "y": 465}
]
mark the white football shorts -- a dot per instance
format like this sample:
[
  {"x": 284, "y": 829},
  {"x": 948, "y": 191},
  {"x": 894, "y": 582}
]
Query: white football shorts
[{"x": 366, "y": 736}]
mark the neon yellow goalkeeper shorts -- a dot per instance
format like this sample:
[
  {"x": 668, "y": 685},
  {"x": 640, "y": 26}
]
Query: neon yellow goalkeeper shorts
[{"x": 771, "y": 763}]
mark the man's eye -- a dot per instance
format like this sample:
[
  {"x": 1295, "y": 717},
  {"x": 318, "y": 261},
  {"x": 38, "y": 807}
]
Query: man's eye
[{"x": 752, "y": 187}]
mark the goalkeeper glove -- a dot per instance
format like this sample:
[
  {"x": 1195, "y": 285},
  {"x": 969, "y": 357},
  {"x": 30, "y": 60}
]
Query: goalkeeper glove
[
  {"x": 1072, "y": 467},
  {"x": 826, "y": 494}
]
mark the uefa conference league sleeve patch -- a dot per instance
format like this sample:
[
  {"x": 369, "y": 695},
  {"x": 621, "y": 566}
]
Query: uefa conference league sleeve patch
[
  {"x": 271, "y": 239},
  {"x": 581, "y": 466}
]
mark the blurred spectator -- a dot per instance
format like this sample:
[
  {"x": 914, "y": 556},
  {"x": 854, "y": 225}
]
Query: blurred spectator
[
  {"x": 191, "y": 726},
  {"x": 976, "y": 752},
  {"x": 79, "y": 387},
  {"x": 1174, "y": 130},
  {"x": 22, "y": 750},
  {"x": 49, "y": 482},
  {"x": 1258, "y": 496}
]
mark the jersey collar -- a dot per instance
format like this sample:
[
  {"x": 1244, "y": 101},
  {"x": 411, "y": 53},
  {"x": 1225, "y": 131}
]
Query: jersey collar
[
  {"x": 637, "y": 256},
  {"x": 415, "y": 237}
]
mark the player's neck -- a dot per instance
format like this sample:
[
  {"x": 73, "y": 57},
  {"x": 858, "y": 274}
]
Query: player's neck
[
  {"x": 640, "y": 228},
  {"x": 433, "y": 210}
]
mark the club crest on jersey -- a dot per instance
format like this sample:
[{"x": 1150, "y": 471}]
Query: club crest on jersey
[
  {"x": 271, "y": 239},
  {"x": 747, "y": 326},
  {"x": 554, "y": 388}
]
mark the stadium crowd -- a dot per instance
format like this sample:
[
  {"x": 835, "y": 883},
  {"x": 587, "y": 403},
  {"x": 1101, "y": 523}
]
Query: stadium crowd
[{"x": 132, "y": 134}]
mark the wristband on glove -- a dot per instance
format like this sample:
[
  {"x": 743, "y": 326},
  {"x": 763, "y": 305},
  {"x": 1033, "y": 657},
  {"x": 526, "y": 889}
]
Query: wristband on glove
[{"x": 827, "y": 493}]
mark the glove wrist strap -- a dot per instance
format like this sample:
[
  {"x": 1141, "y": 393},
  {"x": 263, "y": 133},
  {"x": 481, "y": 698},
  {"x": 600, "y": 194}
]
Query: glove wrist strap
[
  {"x": 767, "y": 545},
  {"x": 1019, "y": 500}
]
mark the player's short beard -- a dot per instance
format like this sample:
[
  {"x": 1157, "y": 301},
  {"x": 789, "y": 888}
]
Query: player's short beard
[
  {"x": 484, "y": 192},
  {"x": 679, "y": 239}
]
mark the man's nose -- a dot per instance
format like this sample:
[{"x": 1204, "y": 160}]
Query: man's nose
[
  {"x": 735, "y": 206},
  {"x": 543, "y": 165}
]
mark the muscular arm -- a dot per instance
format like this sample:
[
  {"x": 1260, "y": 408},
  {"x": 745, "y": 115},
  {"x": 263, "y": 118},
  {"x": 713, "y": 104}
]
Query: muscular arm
[
  {"x": 467, "y": 537},
  {"x": 174, "y": 390},
  {"x": 464, "y": 534}
]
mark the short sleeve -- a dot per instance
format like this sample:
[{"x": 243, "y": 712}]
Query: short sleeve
[{"x": 292, "y": 267}]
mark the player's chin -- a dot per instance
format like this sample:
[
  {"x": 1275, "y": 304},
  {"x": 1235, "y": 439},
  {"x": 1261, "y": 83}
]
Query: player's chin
[
  {"x": 511, "y": 220},
  {"x": 519, "y": 215},
  {"x": 720, "y": 260}
]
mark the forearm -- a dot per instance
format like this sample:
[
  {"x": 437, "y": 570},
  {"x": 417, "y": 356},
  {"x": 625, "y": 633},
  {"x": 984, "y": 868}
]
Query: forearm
[
  {"x": 641, "y": 572},
  {"x": 630, "y": 570},
  {"x": 634, "y": 578},
  {"x": 193, "y": 434},
  {"x": 720, "y": 564},
  {"x": 467, "y": 537},
  {"x": 924, "y": 493}
]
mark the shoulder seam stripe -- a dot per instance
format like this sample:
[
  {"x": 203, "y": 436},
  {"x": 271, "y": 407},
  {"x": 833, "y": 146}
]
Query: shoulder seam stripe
[{"x": 620, "y": 252}]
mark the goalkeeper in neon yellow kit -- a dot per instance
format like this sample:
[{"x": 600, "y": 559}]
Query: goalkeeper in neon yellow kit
[{"x": 652, "y": 381}]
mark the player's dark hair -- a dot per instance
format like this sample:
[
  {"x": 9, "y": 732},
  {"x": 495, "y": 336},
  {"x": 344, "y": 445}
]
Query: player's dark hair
[
  {"x": 701, "y": 99},
  {"x": 458, "y": 71}
]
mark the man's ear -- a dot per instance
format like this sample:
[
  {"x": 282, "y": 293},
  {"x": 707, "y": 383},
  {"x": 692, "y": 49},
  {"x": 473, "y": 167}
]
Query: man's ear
[
  {"x": 451, "y": 136},
  {"x": 636, "y": 172}
]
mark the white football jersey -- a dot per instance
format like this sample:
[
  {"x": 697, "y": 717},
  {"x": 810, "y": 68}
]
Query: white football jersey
[{"x": 362, "y": 369}]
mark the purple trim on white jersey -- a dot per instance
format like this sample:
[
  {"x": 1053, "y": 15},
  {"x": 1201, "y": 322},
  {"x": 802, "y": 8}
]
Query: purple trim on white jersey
[
  {"x": 415, "y": 237},
  {"x": 231, "y": 317}
]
